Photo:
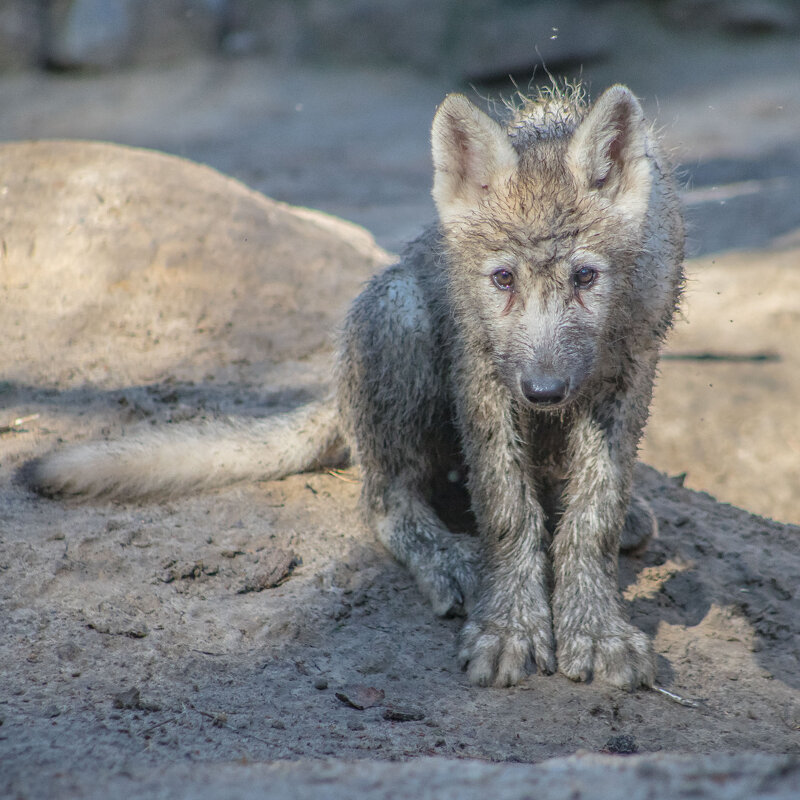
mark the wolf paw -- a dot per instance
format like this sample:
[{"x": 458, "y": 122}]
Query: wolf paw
[
  {"x": 622, "y": 657},
  {"x": 450, "y": 580},
  {"x": 640, "y": 525},
  {"x": 496, "y": 655}
]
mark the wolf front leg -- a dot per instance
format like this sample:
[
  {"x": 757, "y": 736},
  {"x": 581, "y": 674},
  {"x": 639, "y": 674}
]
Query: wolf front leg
[
  {"x": 511, "y": 623},
  {"x": 593, "y": 637}
]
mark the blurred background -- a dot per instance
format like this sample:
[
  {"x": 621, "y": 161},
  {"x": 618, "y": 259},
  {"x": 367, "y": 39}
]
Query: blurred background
[{"x": 328, "y": 104}]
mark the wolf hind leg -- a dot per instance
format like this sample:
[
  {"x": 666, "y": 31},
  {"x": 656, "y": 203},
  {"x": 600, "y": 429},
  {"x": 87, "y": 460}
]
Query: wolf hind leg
[
  {"x": 640, "y": 526},
  {"x": 393, "y": 392},
  {"x": 444, "y": 564}
]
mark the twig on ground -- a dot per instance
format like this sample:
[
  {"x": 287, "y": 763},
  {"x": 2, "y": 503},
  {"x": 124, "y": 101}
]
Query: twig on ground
[
  {"x": 220, "y": 721},
  {"x": 676, "y": 698},
  {"x": 157, "y": 725},
  {"x": 15, "y": 425},
  {"x": 336, "y": 473}
]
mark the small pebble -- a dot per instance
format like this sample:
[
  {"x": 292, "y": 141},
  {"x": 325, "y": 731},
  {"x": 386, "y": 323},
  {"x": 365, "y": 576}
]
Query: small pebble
[
  {"x": 321, "y": 683},
  {"x": 623, "y": 745},
  {"x": 403, "y": 715}
]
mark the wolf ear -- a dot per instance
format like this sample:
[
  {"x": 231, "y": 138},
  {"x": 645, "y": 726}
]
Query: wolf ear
[
  {"x": 608, "y": 152},
  {"x": 471, "y": 156}
]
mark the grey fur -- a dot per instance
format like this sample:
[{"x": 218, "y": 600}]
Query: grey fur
[
  {"x": 436, "y": 359},
  {"x": 516, "y": 342},
  {"x": 175, "y": 459}
]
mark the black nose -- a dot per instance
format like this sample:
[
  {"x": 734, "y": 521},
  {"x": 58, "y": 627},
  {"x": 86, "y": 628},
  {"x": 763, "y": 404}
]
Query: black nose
[{"x": 544, "y": 390}]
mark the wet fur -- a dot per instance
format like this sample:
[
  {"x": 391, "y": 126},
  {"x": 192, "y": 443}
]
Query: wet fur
[{"x": 439, "y": 369}]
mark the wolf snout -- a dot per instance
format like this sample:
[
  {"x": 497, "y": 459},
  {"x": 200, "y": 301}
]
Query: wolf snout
[{"x": 544, "y": 390}]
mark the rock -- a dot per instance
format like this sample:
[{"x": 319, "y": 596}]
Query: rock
[
  {"x": 623, "y": 745},
  {"x": 403, "y": 715},
  {"x": 102, "y": 232},
  {"x": 128, "y": 698},
  {"x": 272, "y": 570},
  {"x": 360, "y": 696},
  {"x": 131, "y": 699},
  {"x": 114, "y": 621},
  {"x": 68, "y": 651}
]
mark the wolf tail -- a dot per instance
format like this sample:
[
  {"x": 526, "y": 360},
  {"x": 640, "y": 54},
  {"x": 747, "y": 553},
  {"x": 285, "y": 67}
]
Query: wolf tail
[{"x": 184, "y": 457}]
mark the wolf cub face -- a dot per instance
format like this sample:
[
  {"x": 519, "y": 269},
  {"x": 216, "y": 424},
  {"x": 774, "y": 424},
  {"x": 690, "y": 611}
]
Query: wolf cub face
[{"x": 542, "y": 234}]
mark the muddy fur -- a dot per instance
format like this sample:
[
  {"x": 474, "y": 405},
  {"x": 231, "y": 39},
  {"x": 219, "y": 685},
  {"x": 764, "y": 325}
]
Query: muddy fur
[{"x": 515, "y": 344}]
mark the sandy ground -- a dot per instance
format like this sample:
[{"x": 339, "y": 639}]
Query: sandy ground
[{"x": 139, "y": 289}]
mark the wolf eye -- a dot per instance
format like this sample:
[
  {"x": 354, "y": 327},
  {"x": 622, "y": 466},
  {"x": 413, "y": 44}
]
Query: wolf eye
[
  {"x": 503, "y": 279},
  {"x": 584, "y": 277}
]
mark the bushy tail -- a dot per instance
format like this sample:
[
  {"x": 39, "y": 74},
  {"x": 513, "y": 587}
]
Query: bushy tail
[{"x": 184, "y": 457}]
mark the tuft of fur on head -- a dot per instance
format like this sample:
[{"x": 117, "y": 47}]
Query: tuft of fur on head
[{"x": 553, "y": 112}]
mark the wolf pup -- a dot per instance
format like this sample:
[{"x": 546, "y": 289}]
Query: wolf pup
[{"x": 520, "y": 336}]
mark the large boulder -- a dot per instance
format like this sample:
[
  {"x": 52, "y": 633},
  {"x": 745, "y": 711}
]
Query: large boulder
[{"x": 124, "y": 266}]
